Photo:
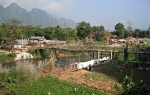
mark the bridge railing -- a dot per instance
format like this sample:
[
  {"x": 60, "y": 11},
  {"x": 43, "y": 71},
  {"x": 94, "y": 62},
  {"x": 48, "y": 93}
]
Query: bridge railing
[{"x": 89, "y": 47}]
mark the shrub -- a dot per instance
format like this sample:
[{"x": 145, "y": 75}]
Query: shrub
[
  {"x": 120, "y": 57},
  {"x": 131, "y": 57},
  {"x": 48, "y": 64},
  {"x": 131, "y": 88},
  {"x": 15, "y": 76}
]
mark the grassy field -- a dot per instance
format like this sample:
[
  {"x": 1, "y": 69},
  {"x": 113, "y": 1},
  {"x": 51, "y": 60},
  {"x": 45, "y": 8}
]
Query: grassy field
[{"x": 52, "y": 86}]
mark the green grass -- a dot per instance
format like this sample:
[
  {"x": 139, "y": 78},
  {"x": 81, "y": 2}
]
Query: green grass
[
  {"x": 1, "y": 53},
  {"x": 6, "y": 57},
  {"x": 21, "y": 81},
  {"x": 54, "y": 86}
]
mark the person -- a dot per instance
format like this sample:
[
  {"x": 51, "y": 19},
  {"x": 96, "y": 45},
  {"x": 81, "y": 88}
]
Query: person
[{"x": 90, "y": 67}]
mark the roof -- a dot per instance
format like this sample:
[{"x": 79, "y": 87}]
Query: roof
[
  {"x": 52, "y": 42},
  {"x": 122, "y": 40},
  {"x": 37, "y": 38}
]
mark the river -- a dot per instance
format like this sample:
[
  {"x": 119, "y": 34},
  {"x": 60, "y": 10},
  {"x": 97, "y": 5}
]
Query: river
[{"x": 62, "y": 61}]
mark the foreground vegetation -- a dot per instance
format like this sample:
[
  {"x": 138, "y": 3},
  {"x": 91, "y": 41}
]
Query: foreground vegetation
[
  {"x": 24, "y": 80},
  {"x": 53, "y": 86}
]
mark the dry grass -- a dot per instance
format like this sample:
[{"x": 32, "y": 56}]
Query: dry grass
[
  {"x": 26, "y": 66},
  {"x": 84, "y": 78}
]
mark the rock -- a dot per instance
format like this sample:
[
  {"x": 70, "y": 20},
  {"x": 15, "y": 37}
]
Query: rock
[{"x": 23, "y": 55}]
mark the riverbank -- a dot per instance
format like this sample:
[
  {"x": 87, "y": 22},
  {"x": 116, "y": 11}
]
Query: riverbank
[
  {"x": 18, "y": 81},
  {"x": 84, "y": 78},
  {"x": 101, "y": 78}
]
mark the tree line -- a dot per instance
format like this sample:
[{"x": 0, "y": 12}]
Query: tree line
[
  {"x": 12, "y": 30},
  {"x": 121, "y": 32}
]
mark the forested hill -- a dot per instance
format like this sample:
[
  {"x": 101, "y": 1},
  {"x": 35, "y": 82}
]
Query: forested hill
[{"x": 33, "y": 17}]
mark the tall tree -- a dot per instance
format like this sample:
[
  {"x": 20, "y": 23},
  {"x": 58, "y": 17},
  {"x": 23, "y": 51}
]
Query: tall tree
[
  {"x": 102, "y": 28},
  {"x": 96, "y": 29},
  {"x": 12, "y": 32},
  {"x": 136, "y": 33},
  {"x": 83, "y": 30},
  {"x": 120, "y": 30},
  {"x": 148, "y": 34}
]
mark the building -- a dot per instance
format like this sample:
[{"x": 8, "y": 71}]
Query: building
[{"x": 37, "y": 39}]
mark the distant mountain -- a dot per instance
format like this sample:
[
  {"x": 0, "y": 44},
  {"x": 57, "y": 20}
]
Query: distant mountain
[{"x": 34, "y": 17}]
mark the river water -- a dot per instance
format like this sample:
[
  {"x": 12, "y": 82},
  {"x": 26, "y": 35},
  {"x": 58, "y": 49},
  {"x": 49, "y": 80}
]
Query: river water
[{"x": 61, "y": 61}]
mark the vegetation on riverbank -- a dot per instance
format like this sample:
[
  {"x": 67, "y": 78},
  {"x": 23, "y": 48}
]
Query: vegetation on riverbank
[
  {"x": 6, "y": 57},
  {"x": 24, "y": 79},
  {"x": 40, "y": 53},
  {"x": 20, "y": 80}
]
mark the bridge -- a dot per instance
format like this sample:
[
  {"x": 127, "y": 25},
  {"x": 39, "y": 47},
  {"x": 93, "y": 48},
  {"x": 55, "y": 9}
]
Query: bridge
[{"x": 95, "y": 51}]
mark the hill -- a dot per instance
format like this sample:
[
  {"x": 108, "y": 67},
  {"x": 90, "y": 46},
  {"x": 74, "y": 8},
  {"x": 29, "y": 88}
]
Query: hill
[{"x": 33, "y": 17}]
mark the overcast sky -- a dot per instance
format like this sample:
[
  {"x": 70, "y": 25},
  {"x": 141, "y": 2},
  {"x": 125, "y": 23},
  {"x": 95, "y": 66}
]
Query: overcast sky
[{"x": 97, "y": 12}]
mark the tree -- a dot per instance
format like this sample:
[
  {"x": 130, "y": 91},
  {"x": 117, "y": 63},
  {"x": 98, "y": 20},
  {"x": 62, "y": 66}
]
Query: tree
[
  {"x": 131, "y": 88},
  {"x": 148, "y": 33},
  {"x": 119, "y": 28},
  {"x": 1, "y": 33},
  {"x": 72, "y": 34},
  {"x": 101, "y": 34},
  {"x": 83, "y": 30},
  {"x": 106, "y": 35},
  {"x": 12, "y": 32},
  {"x": 136, "y": 33},
  {"x": 96, "y": 29},
  {"x": 127, "y": 34},
  {"x": 28, "y": 31},
  {"x": 149, "y": 28},
  {"x": 102, "y": 28},
  {"x": 142, "y": 34}
]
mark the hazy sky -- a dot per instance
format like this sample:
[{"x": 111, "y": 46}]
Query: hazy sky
[{"x": 97, "y": 12}]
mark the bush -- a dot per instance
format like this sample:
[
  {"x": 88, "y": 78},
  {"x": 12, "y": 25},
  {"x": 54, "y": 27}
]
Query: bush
[
  {"x": 131, "y": 57},
  {"x": 40, "y": 53},
  {"x": 120, "y": 57},
  {"x": 131, "y": 88},
  {"x": 15, "y": 76}
]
